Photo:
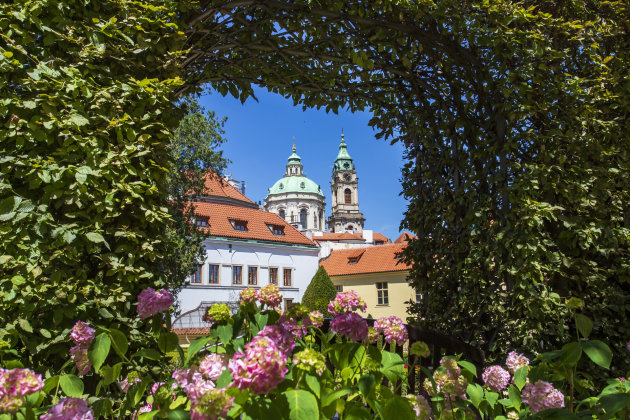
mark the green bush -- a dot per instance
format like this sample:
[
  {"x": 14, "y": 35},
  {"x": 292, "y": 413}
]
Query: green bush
[{"x": 319, "y": 292}]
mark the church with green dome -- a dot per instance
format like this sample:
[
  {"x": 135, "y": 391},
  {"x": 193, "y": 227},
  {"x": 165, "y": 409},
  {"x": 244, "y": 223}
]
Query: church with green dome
[{"x": 297, "y": 199}]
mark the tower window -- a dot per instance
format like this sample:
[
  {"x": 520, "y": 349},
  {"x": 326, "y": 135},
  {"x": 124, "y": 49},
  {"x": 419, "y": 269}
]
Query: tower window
[
  {"x": 303, "y": 220},
  {"x": 347, "y": 194},
  {"x": 281, "y": 213}
]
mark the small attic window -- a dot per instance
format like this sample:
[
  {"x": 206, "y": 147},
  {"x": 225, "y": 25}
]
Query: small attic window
[
  {"x": 302, "y": 185},
  {"x": 276, "y": 229},
  {"x": 281, "y": 186},
  {"x": 239, "y": 225},
  {"x": 354, "y": 257},
  {"x": 202, "y": 221}
]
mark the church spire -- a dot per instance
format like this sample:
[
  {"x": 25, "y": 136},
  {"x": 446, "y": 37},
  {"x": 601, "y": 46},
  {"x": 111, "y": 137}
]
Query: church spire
[
  {"x": 344, "y": 161},
  {"x": 294, "y": 164}
]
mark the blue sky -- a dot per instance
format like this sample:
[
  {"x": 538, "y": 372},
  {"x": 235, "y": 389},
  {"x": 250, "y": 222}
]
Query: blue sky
[{"x": 260, "y": 136}]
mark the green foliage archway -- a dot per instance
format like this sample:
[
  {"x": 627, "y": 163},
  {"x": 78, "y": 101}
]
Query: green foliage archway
[{"x": 513, "y": 115}]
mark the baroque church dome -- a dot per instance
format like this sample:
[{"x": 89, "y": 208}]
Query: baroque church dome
[{"x": 296, "y": 198}]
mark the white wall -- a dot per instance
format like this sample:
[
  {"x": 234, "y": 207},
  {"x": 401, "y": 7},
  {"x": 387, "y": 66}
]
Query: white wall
[{"x": 303, "y": 263}]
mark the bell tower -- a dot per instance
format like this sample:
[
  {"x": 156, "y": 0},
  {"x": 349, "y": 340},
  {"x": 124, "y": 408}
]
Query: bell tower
[{"x": 345, "y": 194}]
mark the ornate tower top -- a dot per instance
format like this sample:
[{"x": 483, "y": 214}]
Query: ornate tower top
[
  {"x": 344, "y": 161},
  {"x": 294, "y": 164}
]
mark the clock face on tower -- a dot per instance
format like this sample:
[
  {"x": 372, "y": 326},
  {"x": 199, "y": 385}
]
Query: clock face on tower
[{"x": 346, "y": 177}]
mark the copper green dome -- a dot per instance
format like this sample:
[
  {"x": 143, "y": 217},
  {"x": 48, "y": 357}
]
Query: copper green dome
[{"x": 294, "y": 180}]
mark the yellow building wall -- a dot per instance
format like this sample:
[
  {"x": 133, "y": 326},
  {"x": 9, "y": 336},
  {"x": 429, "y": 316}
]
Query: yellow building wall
[{"x": 365, "y": 285}]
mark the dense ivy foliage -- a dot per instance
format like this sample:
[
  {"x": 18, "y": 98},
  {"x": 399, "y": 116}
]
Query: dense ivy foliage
[
  {"x": 319, "y": 292},
  {"x": 87, "y": 114}
]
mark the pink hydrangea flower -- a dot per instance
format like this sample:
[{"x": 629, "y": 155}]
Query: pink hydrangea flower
[
  {"x": 151, "y": 302},
  {"x": 211, "y": 366},
  {"x": 79, "y": 356},
  {"x": 249, "y": 295},
  {"x": 261, "y": 368},
  {"x": 516, "y": 361},
  {"x": 291, "y": 325},
  {"x": 346, "y": 302},
  {"x": 282, "y": 338},
  {"x": 125, "y": 384},
  {"x": 420, "y": 406},
  {"x": 317, "y": 318},
  {"x": 270, "y": 296},
  {"x": 496, "y": 378},
  {"x": 82, "y": 334},
  {"x": 198, "y": 387},
  {"x": 211, "y": 405},
  {"x": 156, "y": 386},
  {"x": 542, "y": 396},
  {"x": 146, "y": 409},
  {"x": 69, "y": 409},
  {"x": 350, "y": 325},
  {"x": 15, "y": 384},
  {"x": 448, "y": 380},
  {"x": 393, "y": 329},
  {"x": 185, "y": 377}
]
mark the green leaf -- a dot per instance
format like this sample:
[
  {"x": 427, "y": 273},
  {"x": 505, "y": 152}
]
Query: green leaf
[
  {"x": 167, "y": 341},
  {"x": 598, "y": 352},
  {"x": 398, "y": 407},
  {"x": 99, "y": 350},
  {"x": 302, "y": 405},
  {"x": 178, "y": 415},
  {"x": 584, "y": 325},
  {"x": 224, "y": 379},
  {"x": 366, "y": 384},
  {"x": 515, "y": 397},
  {"x": 468, "y": 366},
  {"x": 520, "y": 377},
  {"x": 195, "y": 347},
  {"x": 50, "y": 384},
  {"x": 96, "y": 238},
  {"x": 313, "y": 384},
  {"x": 119, "y": 341},
  {"x": 555, "y": 414},
  {"x": 346, "y": 373},
  {"x": 71, "y": 385},
  {"x": 613, "y": 403},
  {"x": 225, "y": 333},
  {"x": 492, "y": 398},
  {"x": 25, "y": 325},
  {"x": 150, "y": 354},
  {"x": 572, "y": 352},
  {"x": 79, "y": 120},
  {"x": 334, "y": 396},
  {"x": 475, "y": 392}
]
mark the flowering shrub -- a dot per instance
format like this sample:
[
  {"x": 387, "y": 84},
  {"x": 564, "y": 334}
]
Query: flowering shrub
[{"x": 259, "y": 364}]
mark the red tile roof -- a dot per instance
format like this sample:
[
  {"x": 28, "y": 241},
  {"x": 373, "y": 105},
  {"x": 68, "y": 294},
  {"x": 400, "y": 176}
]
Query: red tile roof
[
  {"x": 375, "y": 259},
  {"x": 343, "y": 236},
  {"x": 219, "y": 187},
  {"x": 405, "y": 237},
  {"x": 376, "y": 236},
  {"x": 257, "y": 220},
  {"x": 192, "y": 331}
]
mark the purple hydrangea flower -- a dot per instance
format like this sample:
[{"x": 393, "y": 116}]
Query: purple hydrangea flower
[
  {"x": 346, "y": 302},
  {"x": 496, "y": 378},
  {"x": 261, "y": 368},
  {"x": 516, "y": 361},
  {"x": 79, "y": 356},
  {"x": 542, "y": 396},
  {"x": 393, "y": 329},
  {"x": 151, "y": 302},
  {"x": 317, "y": 318},
  {"x": 281, "y": 337},
  {"x": 350, "y": 325},
  {"x": 211, "y": 405},
  {"x": 212, "y": 366},
  {"x": 69, "y": 409},
  {"x": 82, "y": 334},
  {"x": 15, "y": 384}
]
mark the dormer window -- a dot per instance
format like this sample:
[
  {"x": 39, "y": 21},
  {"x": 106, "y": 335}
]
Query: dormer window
[
  {"x": 239, "y": 225},
  {"x": 202, "y": 221},
  {"x": 276, "y": 229},
  {"x": 354, "y": 257}
]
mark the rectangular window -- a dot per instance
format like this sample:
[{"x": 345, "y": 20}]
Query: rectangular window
[
  {"x": 237, "y": 274},
  {"x": 276, "y": 229},
  {"x": 239, "y": 225},
  {"x": 196, "y": 277},
  {"x": 273, "y": 275},
  {"x": 213, "y": 274},
  {"x": 202, "y": 221},
  {"x": 339, "y": 288},
  {"x": 418, "y": 296},
  {"x": 287, "y": 277},
  {"x": 382, "y": 295},
  {"x": 252, "y": 275}
]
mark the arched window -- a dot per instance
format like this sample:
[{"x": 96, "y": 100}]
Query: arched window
[
  {"x": 348, "y": 196},
  {"x": 303, "y": 218},
  {"x": 314, "y": 220},
  {"x": 281, "y": 213},
  {"x": 350, "y": 228}
]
